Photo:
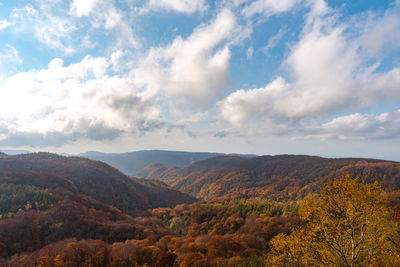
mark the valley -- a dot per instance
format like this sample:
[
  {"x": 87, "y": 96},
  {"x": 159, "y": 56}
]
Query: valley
[{"x": 224, "y": 210}]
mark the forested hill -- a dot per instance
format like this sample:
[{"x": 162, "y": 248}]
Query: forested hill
[
  {"x": 132, "y": 162},
  {"x": 94, "y": 179},
  {"x": 290, "y": 176},
  {"x": 45, "y": 198},
  {"x": 70, "y": 211}
]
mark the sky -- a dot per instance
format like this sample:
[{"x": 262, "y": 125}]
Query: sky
[{"x": 237, "y": 76}]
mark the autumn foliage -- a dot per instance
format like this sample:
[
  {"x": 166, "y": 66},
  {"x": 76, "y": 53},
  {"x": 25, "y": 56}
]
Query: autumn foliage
[
  {"x": 347, "y": 223},
  {"x": 54, "y": 213},
  {"x": 284, "y": 176}
]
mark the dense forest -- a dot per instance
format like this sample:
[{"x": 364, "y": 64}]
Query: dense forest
[
  {"x": 94, "y": 179},
  {"x": 69, "y": 211},
  {"x": 287, "y": 176}
]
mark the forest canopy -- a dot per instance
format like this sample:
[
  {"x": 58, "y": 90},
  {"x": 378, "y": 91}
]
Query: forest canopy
[
  {"x": 68, "y": 211},
  {"x": 347, "y": 223}
]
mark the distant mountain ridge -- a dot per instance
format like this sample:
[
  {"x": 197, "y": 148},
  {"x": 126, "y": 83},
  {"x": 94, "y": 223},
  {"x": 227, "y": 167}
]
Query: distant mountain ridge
[
  {"x": 14, "y": 152},
  {"x": 290, "y": 176},
  {"x": 133, "y": 162}
]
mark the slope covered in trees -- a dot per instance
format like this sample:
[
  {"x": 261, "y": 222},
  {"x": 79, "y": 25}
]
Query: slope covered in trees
[
  {"x": 284, "y": 175},
  {"x": 69, "y": 211},
  {"x": 250, "y": 232},
  {"x": 208, "y": 233},
  {"x": 45, "y": 198},
  {"x": 93, "y": 179}
]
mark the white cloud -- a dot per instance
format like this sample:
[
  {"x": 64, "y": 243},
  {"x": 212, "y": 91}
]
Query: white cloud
[
  {"x": 83, "y": 7},
  {"x": 329, "y": 73},
  {"x": 269, "y": 7},
  {"x": 10, "y": 60},
  {"x": 4, "y": 24},
  {"x": 50, "y": 29},
  {"x": 362, "y": 126},
  {"x": 244, "y": 104},
  {"x": 183, "y": 6},
  {"x": 73, "y": 28},
  {"x": 195, "y": 68},
  {"x": 114, "y": 95},
  {"x": 10, "y": 55},
  {"x": 80, "y": 100},
  {"x": 249, "y": 52},
  {"x": 273, "y": 40},
  {"x": 381, "y": 34}
]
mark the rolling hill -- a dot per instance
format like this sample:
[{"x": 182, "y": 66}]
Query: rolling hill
[
  {"x": 290, "y": 176},
  {"x": 71, "y": 211},
  {"x": 94, "y": 179},
  {"x": 132, "y": 162},
  {"x": 45, "y": 198}
]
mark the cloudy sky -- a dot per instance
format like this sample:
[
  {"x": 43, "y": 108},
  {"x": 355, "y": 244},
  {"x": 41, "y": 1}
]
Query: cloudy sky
[{"x": 263, "y": 76}]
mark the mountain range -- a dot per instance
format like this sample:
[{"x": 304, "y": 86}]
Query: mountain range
[
  {"x": 221, "y": 209},
  {"x": 132, "y": 162}
]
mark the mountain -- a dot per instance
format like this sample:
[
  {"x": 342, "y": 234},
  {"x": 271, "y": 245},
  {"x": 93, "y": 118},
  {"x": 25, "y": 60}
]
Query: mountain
[
  {"x": 290, "y": 176},
  {"x": 93, "y": 179},
  {"x": 132, "y": 162},
  {"x": 14, "y": 152},
  {"x": 46, "y": 197},
  {"x": 70, "y": 211}
]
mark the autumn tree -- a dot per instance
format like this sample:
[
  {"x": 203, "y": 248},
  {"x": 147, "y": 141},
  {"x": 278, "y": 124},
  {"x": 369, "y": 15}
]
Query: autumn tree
[{"x": 347, "y": 223}]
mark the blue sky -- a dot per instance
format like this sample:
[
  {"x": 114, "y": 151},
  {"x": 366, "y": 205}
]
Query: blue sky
[{"x": 263, "y": 76}]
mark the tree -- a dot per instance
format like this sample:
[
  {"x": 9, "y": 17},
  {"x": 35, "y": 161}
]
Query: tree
[{"x": 347, "y": 223}]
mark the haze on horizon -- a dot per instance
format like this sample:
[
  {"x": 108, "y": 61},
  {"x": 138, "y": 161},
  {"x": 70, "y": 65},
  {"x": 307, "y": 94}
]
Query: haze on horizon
[{"x": 243, "y": 76}]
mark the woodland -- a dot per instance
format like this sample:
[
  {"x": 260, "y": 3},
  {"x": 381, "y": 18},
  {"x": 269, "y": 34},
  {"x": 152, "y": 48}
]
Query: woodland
[{"x": 220, "y": 211}]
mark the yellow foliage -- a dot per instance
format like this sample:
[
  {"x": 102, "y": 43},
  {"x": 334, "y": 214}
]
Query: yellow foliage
[{"x": 346, "y": 224}]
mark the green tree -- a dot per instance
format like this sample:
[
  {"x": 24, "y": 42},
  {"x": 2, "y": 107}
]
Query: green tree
[{"x": 346, "y": 224}]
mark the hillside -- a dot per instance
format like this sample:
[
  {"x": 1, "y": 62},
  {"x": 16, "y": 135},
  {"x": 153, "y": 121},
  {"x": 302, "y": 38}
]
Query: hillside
[
  {"x": 70, "y": 211},
  {"x": 284, "y": 175},
  {"x": 46, "y": 197},
  {"x": 93, "y": 179},
  {"x": 132, "y": 162}
]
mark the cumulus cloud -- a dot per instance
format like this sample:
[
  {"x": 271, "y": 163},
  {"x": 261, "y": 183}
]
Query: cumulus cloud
[
  {"x": 243, "y": 104},
  {"x": 329, "y": 71},
  {"x": 83, "y": 7},
  {"x": 362, "y": 126},
  {"x": 80, "y": 100},
  {"x": 103, "y": 97},
  {"x": 182, "y": 6},
  {"x": 195, "y": 68}
]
